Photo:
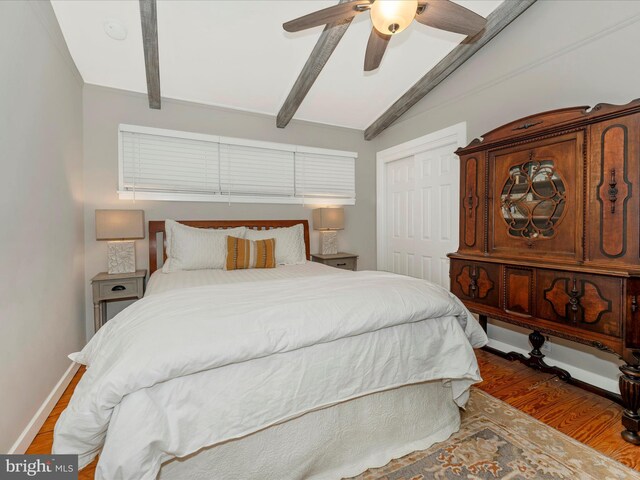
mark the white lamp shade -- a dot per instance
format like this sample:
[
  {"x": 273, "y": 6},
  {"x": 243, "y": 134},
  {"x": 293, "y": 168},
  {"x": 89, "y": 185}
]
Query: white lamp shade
[
  {"x": 119, "y": 224},
  {"x": 328, "y": 219},
  {"x": 393, "y": 16}
]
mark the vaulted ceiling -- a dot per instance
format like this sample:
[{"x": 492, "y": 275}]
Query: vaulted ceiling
[{"x": 236, "y": 54}]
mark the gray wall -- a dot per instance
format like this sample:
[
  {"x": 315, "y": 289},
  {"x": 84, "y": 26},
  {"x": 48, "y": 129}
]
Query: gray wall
[
  {"x": 557, "y": 54},
  {"x": 105, "y": 108},
  {"x": 42, "y": 234}
]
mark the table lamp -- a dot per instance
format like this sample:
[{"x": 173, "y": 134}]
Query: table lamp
[
  {"x": 328, "y": 221},
  {"x": 120, "y": 227}
]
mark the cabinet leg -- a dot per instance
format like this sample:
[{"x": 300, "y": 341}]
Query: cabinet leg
[
  {"x": 535, "y": 359},
  {"x": 630, "y": 391},
  {"x": 97, "y": 314},
  {"x": 482, "y": 319}
]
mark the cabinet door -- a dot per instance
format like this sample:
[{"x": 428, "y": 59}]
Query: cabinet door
[
  {"x": 613, "y": 200},
  {"x": 519, "y": 291},
  {"x": 472, "y": 201},
  {"x": 588, "y": 302},
  {"x": 537, "y": 201},
  {"x": 475, "y": 282}
]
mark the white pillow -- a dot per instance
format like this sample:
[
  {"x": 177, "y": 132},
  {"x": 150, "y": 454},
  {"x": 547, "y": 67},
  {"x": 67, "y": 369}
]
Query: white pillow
[
  {"x": 190, "y": 248},
  {"x": 290, "y": 248}
]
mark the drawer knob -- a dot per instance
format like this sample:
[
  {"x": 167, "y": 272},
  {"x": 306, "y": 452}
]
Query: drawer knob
[
  {"x": 341, "y": 264},
  {"x": 118, "y": 288}
]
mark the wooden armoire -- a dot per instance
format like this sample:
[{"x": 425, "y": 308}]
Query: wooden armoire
[{"x": 550, "y": 234}]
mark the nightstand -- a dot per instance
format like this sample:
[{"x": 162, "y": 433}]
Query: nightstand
[
  {"x": 118, "y": 286},
  {"x": 345, "y": 261}
]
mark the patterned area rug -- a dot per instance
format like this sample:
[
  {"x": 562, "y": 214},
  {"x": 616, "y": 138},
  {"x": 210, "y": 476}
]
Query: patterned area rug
[{"x": 497, "y": 441}]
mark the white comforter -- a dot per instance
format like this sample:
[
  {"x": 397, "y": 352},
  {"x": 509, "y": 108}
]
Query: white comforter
[{"x": 182, "y": 370}]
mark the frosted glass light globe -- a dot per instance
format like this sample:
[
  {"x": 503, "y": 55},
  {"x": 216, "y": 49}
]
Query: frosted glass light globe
[{"x": 393, "y": 16}]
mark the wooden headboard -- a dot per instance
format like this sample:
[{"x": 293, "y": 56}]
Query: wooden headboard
[{"x": 157, "y": 226}]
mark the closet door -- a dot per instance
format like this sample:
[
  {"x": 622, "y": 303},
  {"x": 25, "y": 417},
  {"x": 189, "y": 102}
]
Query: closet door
[
  {"x": 436, "y": 212},
  {"x": 400, "y": 194},
  {"x": 421, "y": 205},
  {"x": 613, "y": 227},
  {"x": 537, "y": 207}
]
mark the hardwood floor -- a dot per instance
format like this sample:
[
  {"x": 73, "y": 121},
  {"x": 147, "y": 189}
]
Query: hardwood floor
[
  {"x": 44, "y": 440},
  {"x": 584, "y": 416},
  {"x": 589, "y": 418}
]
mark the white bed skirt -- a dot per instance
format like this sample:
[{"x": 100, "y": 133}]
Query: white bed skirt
[{"x": 335, "y": 442}]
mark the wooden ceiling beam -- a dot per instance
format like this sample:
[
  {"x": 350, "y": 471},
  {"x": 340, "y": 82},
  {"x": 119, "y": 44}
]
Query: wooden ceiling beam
[
  {"x": 502, "y": 16},
  {"x": 327, "y": 43},
  {"x": 149, "y": 19}
]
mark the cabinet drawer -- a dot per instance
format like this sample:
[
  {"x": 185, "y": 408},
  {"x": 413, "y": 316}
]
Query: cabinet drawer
[
  {"x": 344, "y": 263},
  {"x": 475, "y": 282},
  {"x": 118, "y": 288},
  {"x": 589, "y": 302}
]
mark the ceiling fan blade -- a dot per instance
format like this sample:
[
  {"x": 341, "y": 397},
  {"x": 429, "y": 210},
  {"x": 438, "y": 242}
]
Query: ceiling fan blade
[
  {"x": 449, "y": 16},
  {"x": 375, "y": 49},
  {"x": 342, "y": 11}
]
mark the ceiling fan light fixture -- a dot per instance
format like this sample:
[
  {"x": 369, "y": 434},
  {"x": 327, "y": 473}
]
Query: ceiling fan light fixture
[{"x": 393, "y": 16}]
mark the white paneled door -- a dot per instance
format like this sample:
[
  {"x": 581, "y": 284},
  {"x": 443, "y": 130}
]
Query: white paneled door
[
  {"x": 400, "y": 200},
  {"x": 418, "y": 205}
]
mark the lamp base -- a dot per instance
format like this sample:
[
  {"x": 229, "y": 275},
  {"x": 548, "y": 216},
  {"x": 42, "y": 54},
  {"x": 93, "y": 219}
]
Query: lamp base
[
  {"x": 121, "y": 257},
  {"x": 329, "y": 242}
]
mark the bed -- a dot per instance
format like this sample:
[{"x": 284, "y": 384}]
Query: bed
[{"x": 299, "y": 372}]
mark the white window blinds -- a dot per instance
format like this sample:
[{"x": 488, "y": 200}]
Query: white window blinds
[
  {"x": 256, "y": 171},
  {"x": 159, "y": 164},
  {"x": 322, "y": 175}
]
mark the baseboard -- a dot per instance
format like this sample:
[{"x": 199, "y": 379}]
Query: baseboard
[
  {"x": 34, "y": 426},
  {"x": 603, "y": 382}
]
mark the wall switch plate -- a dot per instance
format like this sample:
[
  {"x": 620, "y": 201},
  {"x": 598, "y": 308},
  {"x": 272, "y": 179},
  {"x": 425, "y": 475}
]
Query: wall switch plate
[{"x": 546, "y": 346}]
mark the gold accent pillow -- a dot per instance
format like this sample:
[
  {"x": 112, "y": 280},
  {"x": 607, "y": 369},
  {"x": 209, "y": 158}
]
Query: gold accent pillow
[{"x": 243, "y": 253}]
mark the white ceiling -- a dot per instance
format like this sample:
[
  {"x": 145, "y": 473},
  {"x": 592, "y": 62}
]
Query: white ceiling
[{"x": 236, "y": 54}]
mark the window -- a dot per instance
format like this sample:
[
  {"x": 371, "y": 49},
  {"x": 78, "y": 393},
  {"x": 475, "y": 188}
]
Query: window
[
  {"x": 256, "y": 171},
  {"x": 156, "y": 164},
  {"x": 325, "y": 175}
]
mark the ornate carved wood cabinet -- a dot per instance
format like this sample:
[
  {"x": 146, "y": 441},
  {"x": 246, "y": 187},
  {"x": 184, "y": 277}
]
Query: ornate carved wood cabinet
[{"x": 550, "y": 234}]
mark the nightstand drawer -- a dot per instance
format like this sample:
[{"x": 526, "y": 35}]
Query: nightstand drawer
[
  {"x": 344, "y": 263},
  {"x": 119, "y": 288}
]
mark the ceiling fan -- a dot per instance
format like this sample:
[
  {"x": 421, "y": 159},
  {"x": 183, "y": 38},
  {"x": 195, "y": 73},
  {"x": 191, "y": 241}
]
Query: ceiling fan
[{"x": 390, "y": 17}]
